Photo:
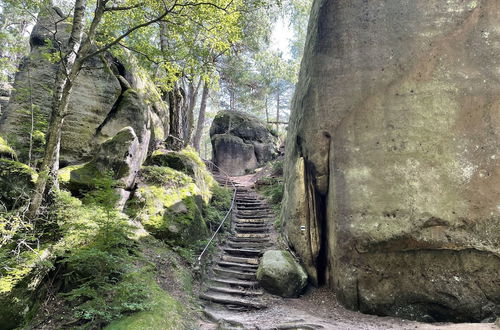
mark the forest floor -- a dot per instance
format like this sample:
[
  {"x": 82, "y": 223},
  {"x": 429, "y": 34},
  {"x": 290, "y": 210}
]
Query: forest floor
[{"x": 317, "y": 308}]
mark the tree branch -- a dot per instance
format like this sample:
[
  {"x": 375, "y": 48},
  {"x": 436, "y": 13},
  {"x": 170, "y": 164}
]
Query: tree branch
[{"x": 118, "y": 8}]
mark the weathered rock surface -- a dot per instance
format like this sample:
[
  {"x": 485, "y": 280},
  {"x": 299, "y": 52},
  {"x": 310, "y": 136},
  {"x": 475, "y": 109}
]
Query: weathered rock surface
[
  {"x": 393, "y": 157},
  {"x": 241, "y": 142},
  {"x": 119, "y": 158},
  {"x": 5, "y": 90},
  {"x": 101, "y": 104},
  {"x": 280, "y": 274},
  {"x": 169, "y": 202}
]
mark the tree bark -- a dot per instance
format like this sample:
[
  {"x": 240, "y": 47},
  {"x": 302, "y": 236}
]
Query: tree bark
[
  {"x": 193, "y": 96},
  {"x": 201, "y": 118},
  {"x": 277, "y": 111},
  {"x": 267, "y": 111},
  {"x": 69, "y": 67}
]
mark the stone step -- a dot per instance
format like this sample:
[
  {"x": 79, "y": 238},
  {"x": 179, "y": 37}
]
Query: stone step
[
  {"x": 234, "y": 282},
  {"x": 236, "y": 265},
  {"x": 252, "y": 208},
  {"x": 243, "y": 260},
  {"x": 251, "y": 225},
  {"x": 252, "y": 230},
  {"x": 243, "y": 252},
  {"x": 235, "y": 291},
  {"x": 230, "y": 273},
  {"x": 248, "y": 245},
  {"x": 246, "y": 235},
  {"x": 226, "y": 299},
  {"x": 252, "y": 216},
  {"x": 264, "y": 240},
  {"x": 250, "y": 221}
]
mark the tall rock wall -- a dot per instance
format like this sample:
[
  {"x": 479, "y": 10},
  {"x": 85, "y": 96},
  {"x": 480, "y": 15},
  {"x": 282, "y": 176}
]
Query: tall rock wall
[
  {"x": 393, "y": 157},
  {"x": 107, "y": 96}
]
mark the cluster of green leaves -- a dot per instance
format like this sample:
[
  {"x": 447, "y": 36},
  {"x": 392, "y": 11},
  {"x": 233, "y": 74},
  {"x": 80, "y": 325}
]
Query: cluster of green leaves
[{"x": 15, "y": 20}]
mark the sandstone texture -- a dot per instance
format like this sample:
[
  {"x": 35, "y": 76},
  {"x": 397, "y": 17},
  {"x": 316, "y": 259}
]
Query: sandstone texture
[
  {"x": 241, "y": 142},
  {"x": 280, "y": 274},
  {"x": 108, "y": 95},
  {"x": 392, "y": 160}
]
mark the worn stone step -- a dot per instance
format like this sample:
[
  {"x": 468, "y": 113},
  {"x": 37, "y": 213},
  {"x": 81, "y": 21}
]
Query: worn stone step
[
  {"x": 252, "y": 208},
  {"x": 248, "y": 245},
  {"x": 246, "y": 252},
  {"x": 236, "y": 265},
  {"x": 226, "y": 299},
  {"x": 257, "y": 221},
  {"x": 235, "y": 282},
  {"x": 235, "y": 291},
  {"x": 251, "y": 225},
  {"x": 247, "y": 235},
  {"x": 262, "y": 240},
  {"x": 251, "y": 261},
  {"x": 251, "y": 230},
  {"x": 231, "y": 273},
  {"x": 253, "y": 216}
]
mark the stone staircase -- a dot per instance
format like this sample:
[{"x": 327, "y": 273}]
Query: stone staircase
[{"x": 232, "y": 283}]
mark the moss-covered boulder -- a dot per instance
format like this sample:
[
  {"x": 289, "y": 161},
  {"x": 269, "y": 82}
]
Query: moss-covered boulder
[
  {"x": 16, "y": 182},
  {"x": 6, "y": 151},
  {"x": 280, "y": 274},
  {"x": 241, "y": 142},
  {"x": 120, "y": 158},
  {"x": 169, "y": 205},
  {"x": 188, "y": 162}
]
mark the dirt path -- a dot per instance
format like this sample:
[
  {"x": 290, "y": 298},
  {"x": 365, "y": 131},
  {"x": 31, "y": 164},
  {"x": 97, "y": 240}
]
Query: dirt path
[{"x": 316, "y": 309}]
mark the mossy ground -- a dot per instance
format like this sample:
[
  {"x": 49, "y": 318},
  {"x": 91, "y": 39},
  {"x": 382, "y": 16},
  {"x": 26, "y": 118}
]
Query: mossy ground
[{"x": 100, "y": 272}]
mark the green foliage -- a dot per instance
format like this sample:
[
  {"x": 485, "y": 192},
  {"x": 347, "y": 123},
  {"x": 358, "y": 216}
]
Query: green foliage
[
  {"x": 95, "y": 256},
  {"x": 16, "y": 182},
  {"x": 215, "y": 211}
]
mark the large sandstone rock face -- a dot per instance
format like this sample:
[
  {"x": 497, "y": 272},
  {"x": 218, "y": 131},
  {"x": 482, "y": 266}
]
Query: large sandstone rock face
[
  {"x": 393, "y": 157},
  {"x": 107, "y": 96},
  {"x": 241, "y": 142}
]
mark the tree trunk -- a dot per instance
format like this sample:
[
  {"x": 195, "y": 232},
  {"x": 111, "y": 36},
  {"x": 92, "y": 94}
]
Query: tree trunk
[
  {"x": 277, "y": 111},
  {"x": 193, "y": 96},
  {"x": 201, "y": 118},
  {"x": 69, "y": 67},
  {"x": 267, "y": 111}
]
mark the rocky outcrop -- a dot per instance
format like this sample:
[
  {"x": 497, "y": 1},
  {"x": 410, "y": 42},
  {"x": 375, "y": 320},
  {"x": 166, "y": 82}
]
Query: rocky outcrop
[
  {"x": 5, "y": 90},
  {"x": 241, "y": 142},
  {"x": 108, "y": 95},
  {"x": 280, "y": 274},
  {"x": 392, "y": 180},
  {"x": 169, "y": 202}
]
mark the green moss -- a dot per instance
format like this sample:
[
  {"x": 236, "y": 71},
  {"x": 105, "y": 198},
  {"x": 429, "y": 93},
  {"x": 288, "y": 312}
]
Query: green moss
[
  {"x": 64, "y": 174},
  {"x": 164, "y": 176},
  {"x": 16, "y": 182},
  {"x": 19, "y": 278},
  {"x": 166, "y": 313},
  {"x": 6, "y": 151}
]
